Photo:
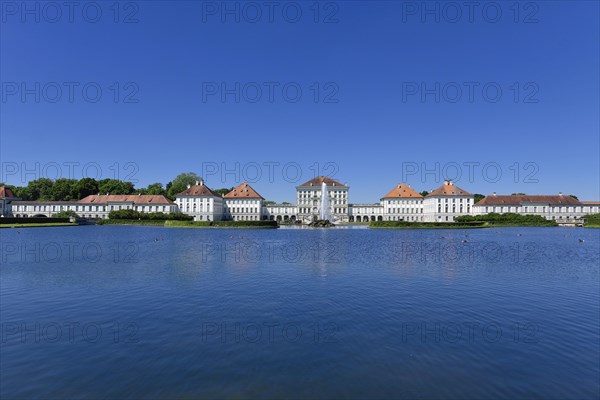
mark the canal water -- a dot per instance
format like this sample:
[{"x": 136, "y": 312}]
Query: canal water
[{"x": 165, "y": 313}]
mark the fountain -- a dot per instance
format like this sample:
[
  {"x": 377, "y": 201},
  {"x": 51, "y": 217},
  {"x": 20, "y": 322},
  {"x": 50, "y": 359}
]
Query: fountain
[
  {"x": 325, "y": 216},
  {"x": 325, "y": 211}
]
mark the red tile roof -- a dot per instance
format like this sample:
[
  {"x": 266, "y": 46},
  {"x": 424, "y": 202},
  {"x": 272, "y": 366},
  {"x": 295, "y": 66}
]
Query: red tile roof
[
  {"x": 318, "y": 181},
  {"x": 402, "y": 191},
  {"x": 517, "y": 199},
  {"x": 6, "y": 193},
  {"x": 125, "y": 198},
  {"x": 591, "y": 203},
  {"x": 243, "y": 191},
  {"x": 198, "y": 191},
  {"x": 26, "y": 203},
  {"x": 449, "y": 190}
]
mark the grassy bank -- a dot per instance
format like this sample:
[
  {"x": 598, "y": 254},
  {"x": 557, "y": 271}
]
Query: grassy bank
[
  {"x": 37, "y": 225},
  {"x": 423, "y": 225},
  {"x": 223, "y": 224},
  {"x": 129, "y": 222},
  {"x": 456, "y": 225},
  {"x": 494, "y": 220},
  {"x": 592, "y": 221}
]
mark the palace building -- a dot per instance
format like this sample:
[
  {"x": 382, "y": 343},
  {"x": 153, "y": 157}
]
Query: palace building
[
  {"x": 402, "y": 203},
  {"x": 94, "y": 206},
  {"x": 308, "y": 197},
  {"x": 244, "y": 203},
  {"x": 201, "y": 202},
  {"x": 447, "y": 202}
]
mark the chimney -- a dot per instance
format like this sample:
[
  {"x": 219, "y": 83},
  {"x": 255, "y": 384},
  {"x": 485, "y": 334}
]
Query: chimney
[
  {"x": 494, "y": 194},
  {"x": 560, "y": 193},
  {"x": 189, "y": 186}
]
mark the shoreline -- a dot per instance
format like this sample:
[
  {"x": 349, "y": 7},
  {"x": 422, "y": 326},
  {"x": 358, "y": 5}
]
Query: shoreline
[{"x": 38, "y": 225}]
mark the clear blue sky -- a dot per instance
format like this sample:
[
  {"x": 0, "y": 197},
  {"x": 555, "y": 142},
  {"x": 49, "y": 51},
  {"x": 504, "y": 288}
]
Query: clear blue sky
[{"x": 369, "y": 60}]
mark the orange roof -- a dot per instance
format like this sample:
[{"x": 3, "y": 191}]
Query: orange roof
[
  {"x": 518, "y": 199},
  {"x": 402, "y": 191},
  {"x": 200, "y": 190},
  {"x": 6, "y": 193},
  {"x": 32, "y": 202},
  {"x": 125, "y": 198},
  {"x": 591, "y": 203},
  {"x": 449, "y": 189},
  {"x": 243, "y": 191},
  {"x": 318, "y": 181}
]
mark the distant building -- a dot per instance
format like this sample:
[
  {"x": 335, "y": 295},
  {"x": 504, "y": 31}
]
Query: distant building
[
  {"x": 308, "y": 197},
  {"x": 95, "y": 206},
  {"x": 7, "y": 196},
  {"x": 366, "y": 212},
  {"x": 560, "y": 208},
  {"x": 402, "y": 203},
  {"x": 243, "y": 203},
  {"x": 201, "y": 202},
  {"x": 446, "y": 203}
]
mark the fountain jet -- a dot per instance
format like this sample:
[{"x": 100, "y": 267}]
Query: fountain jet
[{"x": 325, "y": 211}]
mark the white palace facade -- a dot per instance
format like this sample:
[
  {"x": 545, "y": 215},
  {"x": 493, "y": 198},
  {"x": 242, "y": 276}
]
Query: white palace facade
[{"x": 244, "y": 203}]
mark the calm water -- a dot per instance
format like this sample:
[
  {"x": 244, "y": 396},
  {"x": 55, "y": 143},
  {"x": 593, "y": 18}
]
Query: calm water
[{"x": 129, "y": 312}]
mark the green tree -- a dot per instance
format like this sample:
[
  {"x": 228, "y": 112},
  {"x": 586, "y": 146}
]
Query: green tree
[
  {"x": 23, "y": 192},
  {"x": 65, "y": 214},
  {"x": 478, "y": 197},
  {"x": 269, "y": 203},
  {"x": 114, "y": 186},
  {"x": 223, "y": 191},
  {"x": 424, "y": 193},
  {"x": 40, "y": 189},
  {"x": 573, "y": 196},
  {"x": 179, "y": 184},
  {"x": 63, "y": 189},
  {"x": 85, "y": 187},
  {"x": 155, "y": 189}
]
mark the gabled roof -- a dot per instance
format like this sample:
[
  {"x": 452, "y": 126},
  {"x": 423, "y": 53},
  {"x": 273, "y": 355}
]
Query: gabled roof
[
  {"x": 402, "y": 191},
  {"x": 517, "y": 199},
  {"x": 125, "y": 198},
  {"x": 6, "y": 193},
  {"x": 243, "y": 191},
  {"x": 449, "y": 189},
  {"x": 200, "y": 190},
  {"x": 318, "y": 181}
]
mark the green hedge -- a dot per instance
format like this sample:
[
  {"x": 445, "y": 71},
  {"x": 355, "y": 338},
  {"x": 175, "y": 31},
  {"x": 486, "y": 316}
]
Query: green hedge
[
  {"x": 66, "y": 214},
  {"x": 508, "y": 218},
  {"x": 495, "y": 217},
  {"x": 224, "y": 224},
  {"x": 405, "y": 224},
  {"x": 157, "y": 216},
  {"x": 592, "y": 220},
  {"x": 592, "y": 217},
  {"x": 36, "y": 220},
  {"x": 130, "y": 222}
]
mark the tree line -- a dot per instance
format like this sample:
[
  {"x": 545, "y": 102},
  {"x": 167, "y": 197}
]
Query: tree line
[{"x": 44, "y": 189}]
